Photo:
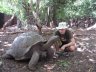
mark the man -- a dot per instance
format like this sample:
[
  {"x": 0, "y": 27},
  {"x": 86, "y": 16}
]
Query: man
[
  {"x": 62, "y": 41},
  {"x": 66, "y": 40}
]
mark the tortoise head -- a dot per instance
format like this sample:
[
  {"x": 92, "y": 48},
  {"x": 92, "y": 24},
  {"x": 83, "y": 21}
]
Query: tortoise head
[{"x": 50, "y": 42}]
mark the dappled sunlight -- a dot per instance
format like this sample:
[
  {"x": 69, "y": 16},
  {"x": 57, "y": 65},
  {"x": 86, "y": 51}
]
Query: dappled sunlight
[
  {"x": 92, "y": 60},
  {"x": 95, "y": 45},
  {"x": 87, "y": 44},
  {"x": 2, "y": 34},
  {"x": 92, "y": 38},
  {"x": 78, "y": 2},
  {"x": 80, "y": 49},
  {"x": 86, "y": 38},
  {"x": 1, "y": 50},
  {"x": 80, "y": 46},
  {"x": 90, "y": 51},
  {"x": 6, "y": 44},
  {"x": 94, "y": 51},
  {"x": 81, "y": 43},
  {"x": 92, "y": 27},
  {"x": 49, "y": 66}
]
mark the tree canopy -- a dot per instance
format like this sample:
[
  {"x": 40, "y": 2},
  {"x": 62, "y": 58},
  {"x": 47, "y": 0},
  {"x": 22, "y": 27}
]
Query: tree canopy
[{"x": 58, "y": 9}]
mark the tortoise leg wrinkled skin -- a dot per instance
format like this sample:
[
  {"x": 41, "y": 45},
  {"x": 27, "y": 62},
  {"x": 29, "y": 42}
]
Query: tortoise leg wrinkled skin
[
  {"x": 48, "y": 44},
  {"x": 34, "y": 60},
  {"x": 7, "y": 56},
  {"x": 50, "y": 53}
]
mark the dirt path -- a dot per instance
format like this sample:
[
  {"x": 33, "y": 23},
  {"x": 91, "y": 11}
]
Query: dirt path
[{"x": 83, "y": 60}]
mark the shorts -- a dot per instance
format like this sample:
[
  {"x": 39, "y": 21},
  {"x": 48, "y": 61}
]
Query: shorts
[{"x": 59, "y": 44}]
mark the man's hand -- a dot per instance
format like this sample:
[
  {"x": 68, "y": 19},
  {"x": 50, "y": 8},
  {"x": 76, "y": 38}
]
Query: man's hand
[{"x": 62, "y": 48}]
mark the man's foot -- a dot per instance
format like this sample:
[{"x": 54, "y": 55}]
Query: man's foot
[{"x": 62, "y": 53}]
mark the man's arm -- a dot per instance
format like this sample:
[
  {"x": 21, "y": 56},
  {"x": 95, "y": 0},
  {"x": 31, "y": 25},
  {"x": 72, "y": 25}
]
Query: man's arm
[{"x": 71, "y": 43}]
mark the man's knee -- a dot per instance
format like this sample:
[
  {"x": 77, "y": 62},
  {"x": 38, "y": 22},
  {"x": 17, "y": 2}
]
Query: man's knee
[{"x": 72, "y": 48}]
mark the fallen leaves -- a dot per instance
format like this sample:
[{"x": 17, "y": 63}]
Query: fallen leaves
[{"x": 49, "y": 67}]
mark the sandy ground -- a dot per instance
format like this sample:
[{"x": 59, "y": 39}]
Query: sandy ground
[{"x": 82, "y": 60}]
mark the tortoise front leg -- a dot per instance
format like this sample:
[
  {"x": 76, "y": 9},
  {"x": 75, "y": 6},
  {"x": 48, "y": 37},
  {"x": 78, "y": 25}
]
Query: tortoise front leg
[
  {"x": 50, "y": 53},
  {"x": 34, "y": 60}
]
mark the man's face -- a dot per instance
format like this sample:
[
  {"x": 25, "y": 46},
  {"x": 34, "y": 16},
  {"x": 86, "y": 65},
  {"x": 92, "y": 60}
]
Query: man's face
[{"x": 62, "y": 31}]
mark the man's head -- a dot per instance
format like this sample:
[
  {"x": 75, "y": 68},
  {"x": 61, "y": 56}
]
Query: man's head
[{"x": 62, "y": 27}]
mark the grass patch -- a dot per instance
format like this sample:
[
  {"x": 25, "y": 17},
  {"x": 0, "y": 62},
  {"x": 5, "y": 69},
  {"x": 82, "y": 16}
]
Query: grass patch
[{"x": 63, "y": 63}]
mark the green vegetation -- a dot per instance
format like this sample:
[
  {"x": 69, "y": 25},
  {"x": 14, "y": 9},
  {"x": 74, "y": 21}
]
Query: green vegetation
[
  {"x": 48, "y": 10},
  {"x": 63, "y": 63}
]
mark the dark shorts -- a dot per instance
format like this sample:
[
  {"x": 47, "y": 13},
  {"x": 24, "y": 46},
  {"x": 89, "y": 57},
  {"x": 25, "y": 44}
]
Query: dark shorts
[
  {"x": 60, "y": 43},
  {"x": 66, "y": 49}
]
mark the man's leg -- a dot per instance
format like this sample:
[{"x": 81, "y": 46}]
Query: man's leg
[{"x": 70, "y": 49}]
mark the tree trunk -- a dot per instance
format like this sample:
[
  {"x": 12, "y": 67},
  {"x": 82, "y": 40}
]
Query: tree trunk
[
  {"x": 54, "y": 19},
  {"x": 8, "y": 23},
  {"x": 31, "y": 14},
  {"x": 48, "y": 19},
  {"x": 19, "y": 23},
  {"x": 28, "y": 12},
  {"x": 36, "y": 16}
]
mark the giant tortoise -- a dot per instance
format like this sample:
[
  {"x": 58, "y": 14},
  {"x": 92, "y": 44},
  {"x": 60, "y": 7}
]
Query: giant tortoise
[{"x": 31, "y": 46}]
